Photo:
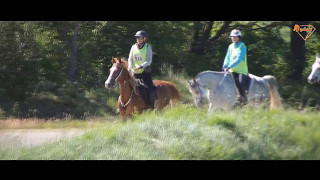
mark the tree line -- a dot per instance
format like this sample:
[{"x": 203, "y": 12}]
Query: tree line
[{"x": 80, "y": 51}]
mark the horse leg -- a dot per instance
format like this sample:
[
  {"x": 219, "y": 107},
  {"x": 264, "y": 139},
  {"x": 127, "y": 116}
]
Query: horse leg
[
  {"x": 122, "y": 111},
  {"x": 123, "y": 114},
  {"x": 157, "y": 104},
  {"x": 132, "y": 109},
  {"x": 210, "y": 109},
  {"x": 210, "y": 100},
  {"x": 174, "y": 102},
  {"x": 161, "y": 103}
]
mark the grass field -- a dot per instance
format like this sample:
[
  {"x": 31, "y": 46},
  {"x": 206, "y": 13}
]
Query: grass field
[{"x": 184, "y": 132}]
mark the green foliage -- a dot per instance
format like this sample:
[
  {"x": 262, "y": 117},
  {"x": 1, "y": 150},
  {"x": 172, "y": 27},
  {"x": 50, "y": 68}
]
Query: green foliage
[
  {"x": 300, "y": 95},
  {"x": 35, "y": 56},
  {"x": 18, "y": 59},
  {"x": 266, "y": 50}
]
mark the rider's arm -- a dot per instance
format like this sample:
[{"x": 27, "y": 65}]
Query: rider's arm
[
  {"x": 240, "y": 57},
  {"x": 149, "y": 57},
  {"x": 130, "y": 59},
  {"x": 227, "y": 58}
]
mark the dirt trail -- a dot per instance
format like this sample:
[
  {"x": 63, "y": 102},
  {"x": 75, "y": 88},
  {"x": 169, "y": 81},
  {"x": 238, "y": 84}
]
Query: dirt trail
[{"x": 32, "y": 137}]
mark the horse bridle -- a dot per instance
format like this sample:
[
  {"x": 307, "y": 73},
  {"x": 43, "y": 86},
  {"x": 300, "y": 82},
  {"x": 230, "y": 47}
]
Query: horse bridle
[
  {"x": 123, "y": 104},
  {"x": 116, "y": 78},
  {"x": 118, "y": 75}
]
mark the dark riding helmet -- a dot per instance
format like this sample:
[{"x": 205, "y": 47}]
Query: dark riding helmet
[{"x": 141, "y": 34}]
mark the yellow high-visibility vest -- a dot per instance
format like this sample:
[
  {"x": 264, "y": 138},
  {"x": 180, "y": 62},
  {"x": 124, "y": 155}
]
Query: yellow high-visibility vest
[
  {"x": 139, "y": 57},
  {"x": 242, "y": 67}
]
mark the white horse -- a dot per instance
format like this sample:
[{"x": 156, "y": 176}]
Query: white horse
[
  {"x": 225, "y": 96},
  {"x": 314, "y": 76}
]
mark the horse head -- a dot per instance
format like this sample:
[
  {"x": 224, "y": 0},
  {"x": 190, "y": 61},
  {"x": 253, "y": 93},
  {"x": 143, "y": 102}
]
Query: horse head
[
  {"x": 116, "y": 72},
  {"x": 314, "y": 76},
  {"x": 196, "y": 92}
]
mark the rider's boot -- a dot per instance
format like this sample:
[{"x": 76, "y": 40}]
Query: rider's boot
[
  {"x": 152, "y": 98},
  {"x": 243, "y": 99}
]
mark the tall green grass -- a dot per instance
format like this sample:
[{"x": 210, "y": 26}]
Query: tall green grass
[{"x": 186, "y": 132}]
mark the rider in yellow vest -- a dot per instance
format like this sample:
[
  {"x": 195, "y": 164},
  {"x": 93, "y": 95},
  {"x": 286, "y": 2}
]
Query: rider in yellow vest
[
  {"x": 236, "y": 62},
  {"x": 140, "y": 58}
]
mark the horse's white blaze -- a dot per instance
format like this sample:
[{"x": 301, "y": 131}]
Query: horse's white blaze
[{"x": 113, "y": 68}]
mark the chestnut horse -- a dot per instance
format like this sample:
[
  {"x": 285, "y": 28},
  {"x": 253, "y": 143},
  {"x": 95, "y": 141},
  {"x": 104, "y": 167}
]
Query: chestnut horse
[{"x": 130, "y": 99}]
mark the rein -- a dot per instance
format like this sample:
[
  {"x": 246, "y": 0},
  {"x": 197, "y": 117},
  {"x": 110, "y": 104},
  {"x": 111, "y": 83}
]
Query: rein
[
  {"x": 224, "y": 75},
  {"x": 119, "y": 75},
  {"x": 122, "y": 104}
]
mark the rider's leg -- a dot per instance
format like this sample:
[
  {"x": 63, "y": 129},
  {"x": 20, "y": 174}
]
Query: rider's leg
[
  {"x": 151, "y": 87},
  {"x": 243, "y": 84},
  {"x": 142, "y": 89},
  {"x": 138, "y": 76},
  {"x": 236, "y": 79}
]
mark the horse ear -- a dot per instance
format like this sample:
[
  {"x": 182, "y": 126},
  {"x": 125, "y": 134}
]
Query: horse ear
[
  {"x": 113, "y": 61},
  {"x": 119, "y": 59}
]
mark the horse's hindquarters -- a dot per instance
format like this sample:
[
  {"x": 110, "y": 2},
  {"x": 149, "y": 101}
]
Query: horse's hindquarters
[
  {"x": 167, "y": 92},
  {"x": 258, "y": 91}
]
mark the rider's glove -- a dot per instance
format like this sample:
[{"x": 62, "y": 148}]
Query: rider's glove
[{"x": 226, "y": 69}]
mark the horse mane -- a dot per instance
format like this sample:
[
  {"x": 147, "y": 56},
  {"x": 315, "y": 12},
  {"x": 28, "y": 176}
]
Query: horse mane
[
  {"x": 132, "y": 79},
  {"x": 124, "y": 62},
  {"x": 205, "y": 72}
]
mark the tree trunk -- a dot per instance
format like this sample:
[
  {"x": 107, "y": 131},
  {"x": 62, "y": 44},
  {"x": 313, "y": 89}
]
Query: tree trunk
[
  {"x": 195, "y": 37},
  {"x": 298, "y": 51},
  {"x": 200, "y": 37},
  {"x": 74, "y": 53},
  {"x": 213, "y": 40},
  {"x": 222, "y": 30}
]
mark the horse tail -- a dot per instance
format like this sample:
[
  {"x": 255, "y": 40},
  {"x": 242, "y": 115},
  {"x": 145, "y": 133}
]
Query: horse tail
[{"x": 275, "y": 98}]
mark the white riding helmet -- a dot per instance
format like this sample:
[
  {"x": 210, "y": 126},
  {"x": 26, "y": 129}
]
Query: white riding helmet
[{"x": 235, "y": 32}]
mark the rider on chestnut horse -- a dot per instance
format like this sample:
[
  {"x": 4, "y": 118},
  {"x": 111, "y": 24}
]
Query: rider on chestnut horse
[{"x": 140, "y": 58}]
